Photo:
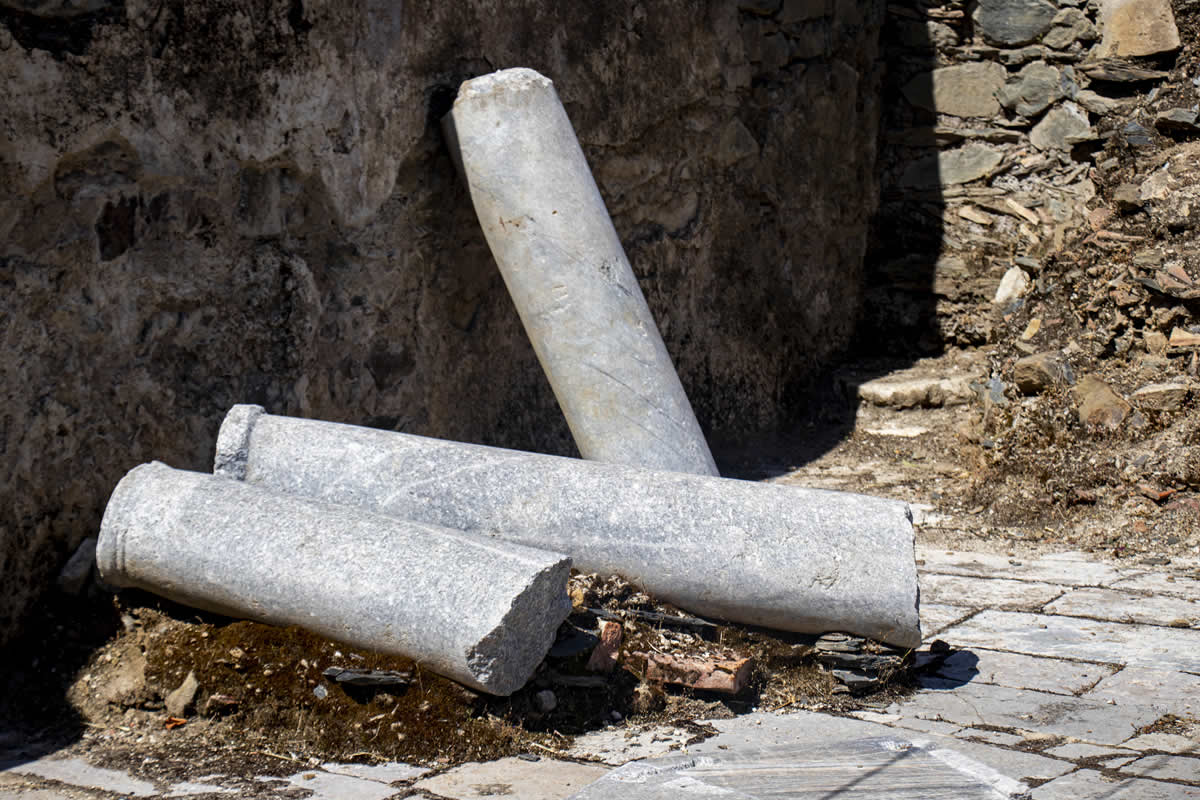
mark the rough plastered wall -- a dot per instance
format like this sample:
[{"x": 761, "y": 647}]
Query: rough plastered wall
[{"x": 221, "y": 201}]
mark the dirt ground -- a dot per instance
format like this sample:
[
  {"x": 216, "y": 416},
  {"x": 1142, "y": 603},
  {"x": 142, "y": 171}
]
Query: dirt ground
[{"x": 1080, "y": 462}]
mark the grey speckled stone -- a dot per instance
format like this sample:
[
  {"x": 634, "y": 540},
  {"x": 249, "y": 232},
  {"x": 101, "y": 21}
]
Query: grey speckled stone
[
  {"x": 795, "y": 559},
  {"x": 478, "y": 610},
  {"x": 568, "y": 275}
]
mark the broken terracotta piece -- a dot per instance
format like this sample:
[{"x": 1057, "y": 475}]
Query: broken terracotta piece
[
  {"x": 725, "y": 675},
  {"x": 604, "y": 657}
]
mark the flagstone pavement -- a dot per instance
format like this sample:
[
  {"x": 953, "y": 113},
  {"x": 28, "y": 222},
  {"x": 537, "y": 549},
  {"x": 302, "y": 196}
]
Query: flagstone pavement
[{"x": 1069, "y": 678}]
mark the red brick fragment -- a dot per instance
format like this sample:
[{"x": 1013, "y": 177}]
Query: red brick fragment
[
  {"x": 725, "y": 675},
  {"x": 604, "y": 656},
  {"x": 1154, "y": 493}
]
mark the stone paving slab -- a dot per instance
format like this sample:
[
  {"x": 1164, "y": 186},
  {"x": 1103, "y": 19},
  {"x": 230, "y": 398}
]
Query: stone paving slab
[
  {"x": 991, "y": 737},
  {"x": 15, "y": 787},
  {"x": 619, "y": 745},
  {"x": 545, "y": 779},
  {"x": 1085, "y": 639},
  {"x": 189, "y": 788},
  {"x": 1169, "y": 691},
  {"x": 77, "y": 772},
  {"x": 881, "y": 768},
  {"x": 1084, "y": 686},
  {"x": 329, "y": 786},
  {"x": 1077, "y": 751},
  {"x": 1023, "y": 709},
  {"x": 1159, "y": 583},
  {"x": 927, "y": 726},
  {"x": 805, "y": 728},
  {"x": 1018, "y": 671},
  {"x": 1067, "y": 569},
  {"x": 909, "y": 724},
  {"x": 1107, "y": 604},
  {"x": 976, "y": 592},
  {"x": 1177, "y": 768},
  {"x": 936, "y": 617},
  {"x": 1166, "y": 742},
  {"x": 389, "y": 772},
  {"x": 1088, "y": 783}
]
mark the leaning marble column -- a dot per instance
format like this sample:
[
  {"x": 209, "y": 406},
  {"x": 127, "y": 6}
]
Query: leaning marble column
[
  {"x": 564, "y": 266},
  {"x": 795, "y": 559},
  {"x": 476, "y": 609}
]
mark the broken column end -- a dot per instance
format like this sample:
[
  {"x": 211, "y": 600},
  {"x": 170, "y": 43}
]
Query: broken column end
[
  {"x": 514, "y": 79},
  {"x": 505, "y": 658},
  {"x": 233, "y": 441},
  {"x": 120, "y": 515}
]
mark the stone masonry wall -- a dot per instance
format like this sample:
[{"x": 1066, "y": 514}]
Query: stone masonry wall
[
  {"x": 997, "y": 113},
  {"x": 224, "y": 201}
]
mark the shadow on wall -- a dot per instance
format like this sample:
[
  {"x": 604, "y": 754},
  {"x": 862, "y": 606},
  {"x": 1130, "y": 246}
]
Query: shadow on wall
[{"x": 896, "y": 313}]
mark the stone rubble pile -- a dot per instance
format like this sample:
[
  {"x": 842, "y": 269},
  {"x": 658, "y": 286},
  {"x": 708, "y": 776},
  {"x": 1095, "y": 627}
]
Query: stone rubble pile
[{"x": 457, "y": 556}]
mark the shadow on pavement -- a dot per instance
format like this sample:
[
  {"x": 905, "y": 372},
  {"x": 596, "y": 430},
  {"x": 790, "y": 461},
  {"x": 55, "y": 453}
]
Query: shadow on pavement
[{"x": 36, "y": 717}]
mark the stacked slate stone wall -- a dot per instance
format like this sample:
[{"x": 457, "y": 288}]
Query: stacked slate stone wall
[{"x": 996, "y": 112}]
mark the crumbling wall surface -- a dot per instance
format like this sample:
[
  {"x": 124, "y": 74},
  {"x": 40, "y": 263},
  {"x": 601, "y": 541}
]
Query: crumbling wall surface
[{"x": 223, "y": 201}]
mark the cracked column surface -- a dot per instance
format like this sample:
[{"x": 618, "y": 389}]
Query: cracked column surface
[
  {"x": 473, "y": 608},
  {"x": 805, "y": 560},
  {"x": 580, "y": 303}
]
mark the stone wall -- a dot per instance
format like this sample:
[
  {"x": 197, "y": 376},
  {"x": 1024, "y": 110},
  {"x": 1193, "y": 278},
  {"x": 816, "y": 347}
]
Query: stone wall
[
  {"x": 224, "y": 201},
  {"x": 996, "y": 116}
]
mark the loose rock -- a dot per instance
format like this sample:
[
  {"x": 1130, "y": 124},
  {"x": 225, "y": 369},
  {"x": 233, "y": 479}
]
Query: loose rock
[
  {"x": 1161, "y": 396},
  {"x": 962, "y": 90},
  {"x": 1061, "y": 128},
  {"x": 1070, "y": 25},
  {"x": 180, "y": 701},
  {"x": 1096, "y": 103},
  {"x": 1099, "y": 405},
  {"x": 1134, "y": 28},
  {"x": 952, "y": 167},
  {"x": 1115, "y": 71},
  {"x": 1127, "y": 198},
  {"x": 1014, "y": 22},
  {"x": 74, "y": 576},
  {"x": 1183, "y": 340},
  {"x": 1177, "y": 121},
  {"x": 1039, "y": 372},
  {"x": 1014, "y": 284},
  {"x": 916, "y": 393},
  {"x": 545, "y": 701},
  {"x": 1034, "y": 89}
]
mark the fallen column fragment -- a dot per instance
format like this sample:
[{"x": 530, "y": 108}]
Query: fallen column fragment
[
  {"x": 804, "y": 560},
  {"x": 580, "y": 303},
  {"x": 478, "y": 610}
]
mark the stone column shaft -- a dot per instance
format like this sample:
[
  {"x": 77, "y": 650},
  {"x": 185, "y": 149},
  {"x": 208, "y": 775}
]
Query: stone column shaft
[
  {"x": 476, "y": 609},
  {"x": 794, "y": 559},
  {"x": 564, "y": 266}
]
